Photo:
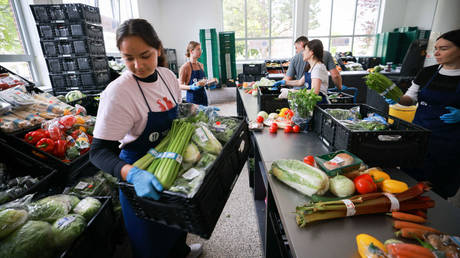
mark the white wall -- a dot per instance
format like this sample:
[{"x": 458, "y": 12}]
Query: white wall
[
  {"x": 179, "y": 21},
  {"x": 420, "y": 13}
]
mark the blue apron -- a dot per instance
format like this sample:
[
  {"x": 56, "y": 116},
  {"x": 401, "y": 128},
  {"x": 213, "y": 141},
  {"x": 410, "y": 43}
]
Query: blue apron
[
  {"x": 197, "y": 96},
  {"x": 150, "y": 239},
  {"x": 308, "y": 80},
  {"x": 443, "y": 150}
]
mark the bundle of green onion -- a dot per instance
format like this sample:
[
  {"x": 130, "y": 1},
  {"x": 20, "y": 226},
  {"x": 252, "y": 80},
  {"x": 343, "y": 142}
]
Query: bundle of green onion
[{"x": 383, "y": 86}]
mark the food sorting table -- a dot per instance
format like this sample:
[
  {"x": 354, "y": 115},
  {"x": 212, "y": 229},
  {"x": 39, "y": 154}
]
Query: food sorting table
[{"x": 281, "y": 237}]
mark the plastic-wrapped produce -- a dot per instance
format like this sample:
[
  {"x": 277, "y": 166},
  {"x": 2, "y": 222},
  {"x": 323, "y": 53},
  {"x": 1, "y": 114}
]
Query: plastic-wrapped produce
[{"x": 87, "y": 207}]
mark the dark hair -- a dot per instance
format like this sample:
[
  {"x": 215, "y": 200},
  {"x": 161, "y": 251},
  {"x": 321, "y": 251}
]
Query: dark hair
[
  {"x": 302, "y": 39},
  {"x": 191, "y": 45},
  {"x": 144, "y": 30},
  {"x": 317, "y": 47},
  {"x": 452, "y": 36}
]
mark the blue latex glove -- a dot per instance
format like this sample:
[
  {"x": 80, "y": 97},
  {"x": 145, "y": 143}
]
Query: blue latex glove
[
  {"x": 145, "y": 183},
  {"x": 279, "y": 83},
  {"x": 344, "y": 87},
  {"x": 194, "y": 87},
  {"x": 207, "y": 108},
  {"x": 390, "y": 101},
  {"x": 452, "y": 117}
]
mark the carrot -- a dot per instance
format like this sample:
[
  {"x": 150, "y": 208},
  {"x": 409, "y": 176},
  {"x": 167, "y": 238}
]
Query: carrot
[
  {"x": 410, "y": 250},
  {"x": 404, "y": 224},
  {"x": 407, "y": 217},
  {"x": 412, "y": 233}
]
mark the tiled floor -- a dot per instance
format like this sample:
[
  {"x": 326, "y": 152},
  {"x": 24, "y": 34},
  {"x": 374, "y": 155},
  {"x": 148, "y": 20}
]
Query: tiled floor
[{"x": 236, "y": 233}]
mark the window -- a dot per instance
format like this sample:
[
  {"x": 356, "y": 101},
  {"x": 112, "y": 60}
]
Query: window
[
  {"x": 15, "y": 52},
  {"x": 345, "y": 25},
  {"x": 263, "y": 28},
  {"x": 113, "y": 12}
]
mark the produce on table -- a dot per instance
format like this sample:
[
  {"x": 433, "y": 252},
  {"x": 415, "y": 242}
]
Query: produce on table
[
  {"x": 273, "y": 129},
  {"x": 443, "y": 243},
  {"x": 341, "y": 186},
  {"x": 364, "y": 204},
  {"x": 365, "y": 184},
  {"x": 303, "y": 102},
  {"x": 260, "y": 119},
  {"x": 407, "y": 217},
  {"x": 296, "y": 128},
  {"x": 310, "y": 160},
  {"x": 369, "y": 246},
  {"x": 383, "y": 85},
  {"x": 87, "y": 207},
  {"x": 288, "y": 129},
  {"x": 32, "y": 239},
  {"x": 399, "y": 224},
  {"x": 273, "y": 116},
  {"x": 263, "y": 82},
  {"x": 378, "y": 175},
  {"x": 408, "y": 250},
  {"x": 300, "y": 176},
  {"x": 192, "y": 154},
  {"x": 393, "y": 186},
  {"x": 263, "y": 114},
  {"x": 224, "y": 128},
  {"x": 339, "y": 160},
  {"x": 10, "y": 220},
  {"x": 66, "y": 229}
]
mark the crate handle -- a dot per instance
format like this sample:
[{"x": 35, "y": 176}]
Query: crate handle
[
  {"x": 389, "y": 138},
  {"x": 241, "y": 148}
]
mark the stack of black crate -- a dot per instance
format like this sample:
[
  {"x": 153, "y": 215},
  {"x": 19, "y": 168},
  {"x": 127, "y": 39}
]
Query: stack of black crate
[{"x": 73, "y": 45}]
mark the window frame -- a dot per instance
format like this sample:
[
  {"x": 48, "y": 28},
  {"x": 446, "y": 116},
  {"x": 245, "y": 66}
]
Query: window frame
[
  {"x": 353, "y": 35},
  {"x": 28, "y": 56},
  {"x": 269, "y": 38}
]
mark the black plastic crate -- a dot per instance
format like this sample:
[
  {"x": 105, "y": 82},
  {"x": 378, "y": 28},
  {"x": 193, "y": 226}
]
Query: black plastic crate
[
  {"x": 71, "y": 31},
  {"x": 48, "y": 12},
  {"x": 82, "y": 12},
  {"x": 77, "y": 64},
  {"x": 71, "y": 48},
  {"x": 58, "y": 13},
  {"x": 403, "y": 144},
  {"x": 18, "y": 165},
  {"x": 268, "y": 100},
  {"x": 199, "y": 214},
  {"x": 79, "y": 80},
  {"x": 341, "y": 98}
]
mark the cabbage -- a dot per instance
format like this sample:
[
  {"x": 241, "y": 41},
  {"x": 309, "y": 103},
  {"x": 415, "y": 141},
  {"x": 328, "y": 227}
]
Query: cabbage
[
  {"x": 50, "y": 208},
  {"x": 205, "y": 140},
  {"x": 74, "y": 95},
  {"x": 342, "y": 186},
  {"x": 192, "y": 154},
  {"x": 10, "y": 220},
  {"x": 67, "y": 229},
  {"x": 263, "y": 114},
  {"x": 33, "y": 239},
  {"x": 87, "y": 207}
]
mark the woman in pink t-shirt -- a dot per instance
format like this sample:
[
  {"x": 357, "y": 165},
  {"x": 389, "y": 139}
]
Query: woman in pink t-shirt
[{"x": 137, "y": 109}]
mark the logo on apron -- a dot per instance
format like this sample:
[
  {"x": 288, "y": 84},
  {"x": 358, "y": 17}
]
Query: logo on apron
[{"x": 154, "y": 136}]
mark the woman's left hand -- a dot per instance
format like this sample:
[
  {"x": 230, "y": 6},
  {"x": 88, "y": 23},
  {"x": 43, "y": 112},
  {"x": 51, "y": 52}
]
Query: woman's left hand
[{"x": 452, "y": 117}]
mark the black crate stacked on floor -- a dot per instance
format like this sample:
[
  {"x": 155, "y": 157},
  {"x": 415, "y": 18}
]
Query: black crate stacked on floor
[{"x": 73, "y": 45}]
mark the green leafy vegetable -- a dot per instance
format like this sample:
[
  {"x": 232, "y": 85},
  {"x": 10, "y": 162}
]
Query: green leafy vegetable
[
  {"x": 192, "y": 154},
  {"x": 10, "y": 220},
  {"x": 303, "y": 102},
  {"x": 205, "y": 140},
  {"x": 341, "y": 186},
  {"x": 50, "y": 208},
  {"x": 67, "y": 229},
  {"x": 87, "y": 207},
  {"x": 382, "y": 84}
]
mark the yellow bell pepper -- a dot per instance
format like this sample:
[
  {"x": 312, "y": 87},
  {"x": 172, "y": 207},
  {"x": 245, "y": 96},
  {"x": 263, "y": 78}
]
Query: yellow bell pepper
[
  {"x": 378, "y": 175},
  {"x": 282, "y": 112},
  {"x": 394, "y": 186},
  {"x": 79, "y": 120},
  {"x": 364, "y": 241}
]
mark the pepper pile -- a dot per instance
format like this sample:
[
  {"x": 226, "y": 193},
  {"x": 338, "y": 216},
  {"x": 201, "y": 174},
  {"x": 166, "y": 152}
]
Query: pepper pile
[{"x": 66, "y": 137}]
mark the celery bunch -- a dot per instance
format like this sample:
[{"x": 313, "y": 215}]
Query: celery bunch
[{"x": 382, "y": 84}]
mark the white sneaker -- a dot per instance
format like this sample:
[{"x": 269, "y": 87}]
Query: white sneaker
[{"x": 195, "y": 250}]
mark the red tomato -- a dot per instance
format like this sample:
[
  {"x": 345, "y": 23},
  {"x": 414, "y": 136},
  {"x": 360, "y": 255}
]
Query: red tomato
[
  {"x": 288, "y": 129},
  {"x": 275, "y": 125},
  {"x": 365, "y": 184},
  {"x": 288, "y": 113},
  {"x": 273, "y": 129},
  {"x": 310, "y": 160},
  {"x": 296, "y": 128},
  {"x": 260, "y": 119}
]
